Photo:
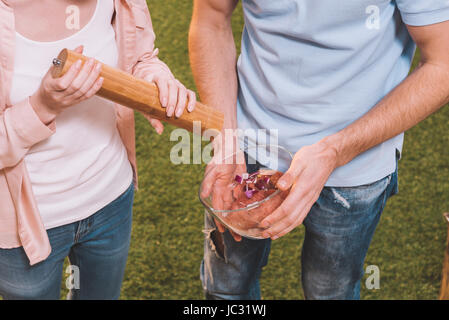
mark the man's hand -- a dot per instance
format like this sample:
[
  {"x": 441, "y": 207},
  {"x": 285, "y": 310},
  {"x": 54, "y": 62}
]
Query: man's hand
[
  {"x": 309, "y": 171},
  {"x": 219, "y": 172}
]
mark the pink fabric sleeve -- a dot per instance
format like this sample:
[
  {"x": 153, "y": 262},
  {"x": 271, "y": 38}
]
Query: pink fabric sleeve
[
  {"x": 148, "y": 64},
  {"x": 20, "y": 129}
]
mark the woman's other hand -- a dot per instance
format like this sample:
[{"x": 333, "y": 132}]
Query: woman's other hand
[{"x": 79, "y": 83}]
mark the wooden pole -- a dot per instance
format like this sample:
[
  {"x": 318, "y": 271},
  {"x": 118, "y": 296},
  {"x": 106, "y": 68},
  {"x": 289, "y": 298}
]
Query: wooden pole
[
  {"x": 138, "y": 94},
  {"x": 444, "y": 291}
]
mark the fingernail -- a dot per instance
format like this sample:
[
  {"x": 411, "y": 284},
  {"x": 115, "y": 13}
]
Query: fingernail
[
  {"x": 265, "y": 235},
  {"x": 78, "y": 64},
  {"x": 164, "y": 102},
  {"x": 282, "y": 184},
  {"x": 265, "y": 224},
  {"x": 178, "y": 113},
  {"x": 274, "y": 237},
  {"x": 170, "y": 111},
  {"x": 98, "y": 67}
]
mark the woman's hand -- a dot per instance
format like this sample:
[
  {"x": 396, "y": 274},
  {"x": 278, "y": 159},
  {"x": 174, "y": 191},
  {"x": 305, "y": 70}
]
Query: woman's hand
[
  {"x": 174, "y": 96},
  {"x": 54, "y": 95}
]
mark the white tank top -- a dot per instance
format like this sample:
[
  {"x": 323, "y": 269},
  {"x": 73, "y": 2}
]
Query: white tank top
[{"x": 84, "y": 165}]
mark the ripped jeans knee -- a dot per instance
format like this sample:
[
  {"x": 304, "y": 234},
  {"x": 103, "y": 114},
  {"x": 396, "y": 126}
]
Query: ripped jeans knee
[
  {"x": 231, "y": 269},
  {"x": 216, "y": 242}
]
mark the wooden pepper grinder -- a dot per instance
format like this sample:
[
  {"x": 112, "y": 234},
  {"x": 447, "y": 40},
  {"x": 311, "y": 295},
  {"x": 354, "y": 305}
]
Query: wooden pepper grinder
[{"x": 124, "y": 89}]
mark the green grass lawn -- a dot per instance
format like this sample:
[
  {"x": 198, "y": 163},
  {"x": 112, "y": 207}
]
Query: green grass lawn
[{"x": 167, "y": 241}]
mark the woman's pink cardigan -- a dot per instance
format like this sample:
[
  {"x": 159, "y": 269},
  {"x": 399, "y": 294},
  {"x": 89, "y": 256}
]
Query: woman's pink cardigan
[{"x": 20, "y": 127}]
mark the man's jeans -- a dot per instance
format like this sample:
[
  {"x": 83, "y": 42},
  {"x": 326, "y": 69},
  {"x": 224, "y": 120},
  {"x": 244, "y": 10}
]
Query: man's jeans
[
  {"x": 97, "y": 247},
  {"x": 338, "y": 231}
]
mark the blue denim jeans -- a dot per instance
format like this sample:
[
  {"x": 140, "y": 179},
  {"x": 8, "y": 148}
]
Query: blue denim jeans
[
  {"x": 338, "y": 231},
  {"x": 97, "y": 246}
]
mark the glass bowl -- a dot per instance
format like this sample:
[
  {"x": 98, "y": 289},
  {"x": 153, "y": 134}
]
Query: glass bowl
[{"x": 235, "y": 210}]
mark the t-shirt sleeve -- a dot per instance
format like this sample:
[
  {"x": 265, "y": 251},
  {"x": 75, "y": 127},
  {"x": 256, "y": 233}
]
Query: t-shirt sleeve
[{"x": 423, "y": 12}]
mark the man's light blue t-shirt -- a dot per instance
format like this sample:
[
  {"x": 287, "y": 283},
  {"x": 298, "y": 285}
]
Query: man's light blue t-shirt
[{"x": 309, "y": 68}]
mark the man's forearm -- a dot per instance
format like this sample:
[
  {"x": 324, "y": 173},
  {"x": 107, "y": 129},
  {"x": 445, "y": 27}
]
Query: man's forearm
[
  {"x": 213, "y": 60},
  {"x": 418, "y": 96}
]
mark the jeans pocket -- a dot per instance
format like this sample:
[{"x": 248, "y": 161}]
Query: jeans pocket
[{"x": 339, "y": 200}]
